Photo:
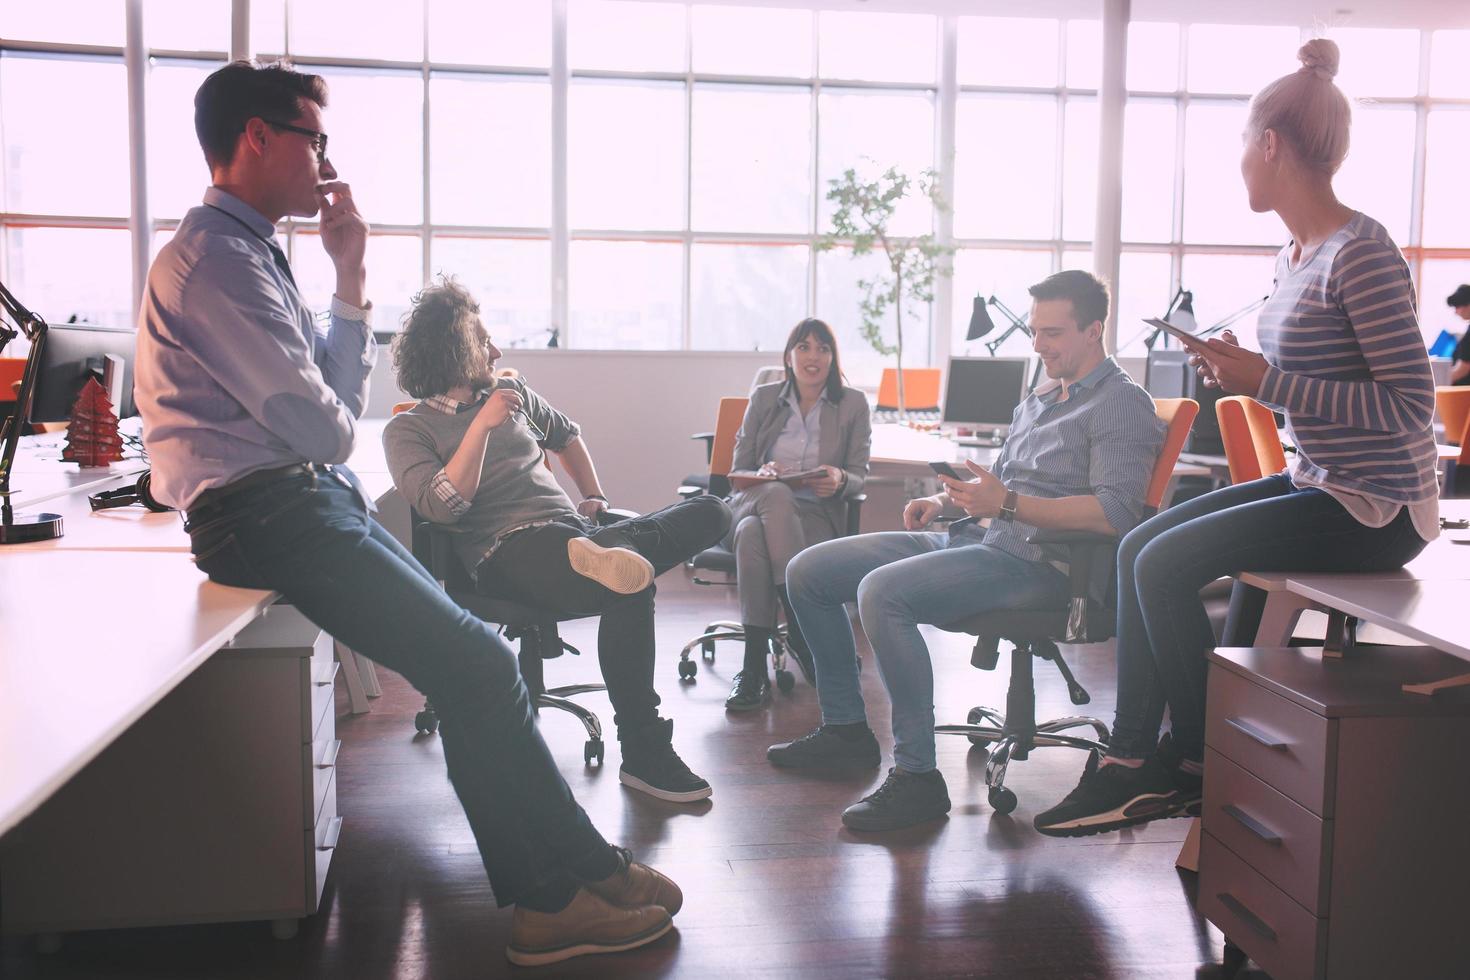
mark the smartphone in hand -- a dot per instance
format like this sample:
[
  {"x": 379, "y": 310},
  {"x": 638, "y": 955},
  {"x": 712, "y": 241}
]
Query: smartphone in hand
[{"x": 944, "y": 469}]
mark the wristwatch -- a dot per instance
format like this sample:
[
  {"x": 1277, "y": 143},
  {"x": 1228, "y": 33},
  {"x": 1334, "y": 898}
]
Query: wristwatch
[{"x": 1008, "y": 508}]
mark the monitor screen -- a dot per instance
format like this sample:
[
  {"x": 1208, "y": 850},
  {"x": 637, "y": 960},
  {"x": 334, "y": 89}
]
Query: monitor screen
[
  {"x": 984, "y": 391},
  {"x": 72, "y": 352}
]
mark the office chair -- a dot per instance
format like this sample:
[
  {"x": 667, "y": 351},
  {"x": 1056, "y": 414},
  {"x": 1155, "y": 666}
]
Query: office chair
[
  {"x": 765, "y": 375},
  {"x": 1035, "y": 633},
  {"x": 1453, "y": 404},
  {"x": 721, "y": 559},
  {"x": 536, "y": 628},
  {"x": 1457, "y": 470},
  {"x": 920, "y": 389},
  {"x": 1252, "y": 444}
]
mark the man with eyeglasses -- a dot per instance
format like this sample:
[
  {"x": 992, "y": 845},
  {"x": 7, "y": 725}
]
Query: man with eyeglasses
[{"x": 249, "y": 409}]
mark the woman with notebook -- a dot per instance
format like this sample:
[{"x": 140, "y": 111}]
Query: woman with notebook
[{"x": 801, "y": 451}]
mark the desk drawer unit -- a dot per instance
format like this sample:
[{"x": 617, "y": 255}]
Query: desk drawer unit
[
  {"x": 218, "y": 805},
  {"x": 1332, "y": 837}
]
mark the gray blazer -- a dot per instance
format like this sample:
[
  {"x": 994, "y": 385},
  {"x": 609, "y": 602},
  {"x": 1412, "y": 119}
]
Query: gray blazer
[{"x": 846, "y": 437}]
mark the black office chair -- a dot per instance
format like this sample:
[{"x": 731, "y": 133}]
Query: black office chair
[
  {"x": 1088, "y": 617},
  {"x": 721, "y": 559},
  {"x": 534, "y": 627}
]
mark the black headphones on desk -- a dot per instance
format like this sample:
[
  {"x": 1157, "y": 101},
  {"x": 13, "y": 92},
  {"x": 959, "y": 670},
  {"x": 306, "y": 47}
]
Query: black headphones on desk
[{"x": 139, "y": 493}]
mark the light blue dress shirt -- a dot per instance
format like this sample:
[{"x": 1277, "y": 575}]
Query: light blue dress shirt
[
  {"x": 1102, "y": 441},
  {"x": 799, "y": 446},
  {"x": 233, "y": 374}
]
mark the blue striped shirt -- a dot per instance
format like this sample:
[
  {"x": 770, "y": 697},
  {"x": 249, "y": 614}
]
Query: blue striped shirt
[
  {"x": 1102, "y": 442},
  {"x": 1349, "y": 369}
]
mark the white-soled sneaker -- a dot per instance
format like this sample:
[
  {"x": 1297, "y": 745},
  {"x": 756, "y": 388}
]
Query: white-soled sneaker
[{"x": 621, "y": 570}]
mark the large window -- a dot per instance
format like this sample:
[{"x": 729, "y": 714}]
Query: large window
[{"x": 614, "y": 173}]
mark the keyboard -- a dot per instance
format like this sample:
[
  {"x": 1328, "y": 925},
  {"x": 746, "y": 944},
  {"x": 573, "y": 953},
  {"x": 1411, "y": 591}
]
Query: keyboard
[{"x": 890, "y": 415}]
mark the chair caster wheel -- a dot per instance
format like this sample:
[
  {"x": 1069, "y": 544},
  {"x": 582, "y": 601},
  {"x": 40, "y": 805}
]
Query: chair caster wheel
[
  {"x": 687, "y": 670},
  {"x": 593, "y": 750},
  {"x": 426, "y": 722},
  {"x": 1002, "y": 800},
  {"x": 785, "y": 680},
  {"x": 707, "y": 651}
]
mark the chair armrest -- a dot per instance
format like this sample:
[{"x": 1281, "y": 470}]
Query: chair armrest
[
  {"x": 854, "y": 514},
  {"x": 690, "y": 492},
  {"x": 612, "y": 515},
  {"x": 709, "y": 444}
]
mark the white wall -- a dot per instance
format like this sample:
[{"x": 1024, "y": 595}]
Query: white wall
[{"x": 636, "y": 408}]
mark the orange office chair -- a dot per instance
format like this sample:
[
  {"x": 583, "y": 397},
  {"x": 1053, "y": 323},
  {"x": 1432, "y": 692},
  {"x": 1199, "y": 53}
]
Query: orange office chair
[
  {"x": 1457, "y": 470},
  {"x": 1252, "y": 444},
  {"x": 1453, "y": 404},
  {"x": 721, "y": 559},
  {"x": 1035, "y": 633},
  {"x": 920, "y": 389}
]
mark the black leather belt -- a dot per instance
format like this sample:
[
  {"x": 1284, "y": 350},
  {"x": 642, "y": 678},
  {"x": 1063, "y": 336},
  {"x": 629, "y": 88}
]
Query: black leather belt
[{"x": 254, "y": 481}]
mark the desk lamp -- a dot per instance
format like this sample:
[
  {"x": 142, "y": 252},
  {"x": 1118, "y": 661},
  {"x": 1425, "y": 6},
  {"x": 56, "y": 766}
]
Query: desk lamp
[
  {"x": 27, "y": 527},
  {"x": 981, "y": 324}
]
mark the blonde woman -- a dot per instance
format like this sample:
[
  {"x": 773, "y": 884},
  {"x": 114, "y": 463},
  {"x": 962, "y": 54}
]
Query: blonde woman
[{"x": 1342, "y": 357}]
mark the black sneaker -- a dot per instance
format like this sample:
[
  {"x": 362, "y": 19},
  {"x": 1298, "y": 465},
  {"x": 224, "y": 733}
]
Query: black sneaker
[
  {"x": 751, "y": 691},
  {"x": 650, "y": 765},
  {"x": 824, "y": 748},
  {"x": 904, "y": 799},
  {"x": 1112, "y": 797}
]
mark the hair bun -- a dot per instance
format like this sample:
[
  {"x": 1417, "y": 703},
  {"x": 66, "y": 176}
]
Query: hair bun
[{"x": 1320, "y": 56}]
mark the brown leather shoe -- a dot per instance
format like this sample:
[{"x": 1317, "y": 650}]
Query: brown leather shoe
[
  {"x": 634, "y": 884},
  {"x": 588, "y": 925}
]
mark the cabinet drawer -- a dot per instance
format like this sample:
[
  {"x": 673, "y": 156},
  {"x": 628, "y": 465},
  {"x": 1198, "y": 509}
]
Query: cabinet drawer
[
  {"x": 1286, "y": 940},
  {"x": 320, "y": 694},
  {"x": 1282, "y": 840},
  {"x": 324, "y": 720},
  {"x": 1278, "y": 742},
  {"x": 322, "y": 771},
  {"x": 321, "y": 844}
]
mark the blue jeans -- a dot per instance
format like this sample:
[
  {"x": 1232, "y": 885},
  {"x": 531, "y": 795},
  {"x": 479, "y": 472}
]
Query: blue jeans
[
  {"x": 899, "y": 580},
  {"x": 1164, "y": 635},
  {"x": 310, "y": 538}
]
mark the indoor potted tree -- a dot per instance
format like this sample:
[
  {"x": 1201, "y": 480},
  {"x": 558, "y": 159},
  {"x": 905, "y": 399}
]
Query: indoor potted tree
[{"x": 864, "y": 210}]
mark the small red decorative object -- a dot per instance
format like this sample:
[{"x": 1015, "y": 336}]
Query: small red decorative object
[{"x": 91, "y": 438}]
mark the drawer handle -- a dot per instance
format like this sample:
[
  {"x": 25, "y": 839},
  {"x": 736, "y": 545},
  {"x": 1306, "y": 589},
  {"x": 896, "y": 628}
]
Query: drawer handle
[
  {"x": 323, "y": 677},
  {"x": 329, "y": 757},
  {"x": 329, "y": 842},
  {"x": 1252, "y": 824},
  {"x": 1244, "y": 914},
  {"x": 1256, "y": 734}
]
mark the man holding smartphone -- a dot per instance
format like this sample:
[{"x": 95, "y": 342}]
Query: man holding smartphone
[
  {"x": 1079, "y": 456},
  {"x": 248, "y": 411}
]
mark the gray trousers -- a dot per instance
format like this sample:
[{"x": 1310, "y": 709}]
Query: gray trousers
[{"x": 771, "y": 524}]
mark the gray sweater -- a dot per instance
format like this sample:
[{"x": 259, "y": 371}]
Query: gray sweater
[{"x": 517, "y": 488}]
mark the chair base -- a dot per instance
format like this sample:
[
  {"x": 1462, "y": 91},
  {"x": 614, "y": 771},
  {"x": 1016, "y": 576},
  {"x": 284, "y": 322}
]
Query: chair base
[
  {"x": 426, "y": 721},
  {"x": 726, "y": 630},
  {"x": 1006, "y": 744}
]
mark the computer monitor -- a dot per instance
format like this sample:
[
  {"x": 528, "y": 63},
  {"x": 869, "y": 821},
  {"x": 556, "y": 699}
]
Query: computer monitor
[
  {"x": 73, "y": 352},
  {"x": 983, "y": 392},
  {"x": 1169, "y": 374}
]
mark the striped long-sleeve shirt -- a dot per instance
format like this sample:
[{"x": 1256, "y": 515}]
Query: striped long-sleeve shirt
[{"x": 1349, "y": 369}]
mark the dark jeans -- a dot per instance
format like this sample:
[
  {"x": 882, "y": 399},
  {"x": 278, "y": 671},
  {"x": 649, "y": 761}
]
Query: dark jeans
[
  {"x": 532, "y": 567},
  {"x": 310, "y": 538},
  {"x": 1164, "y": 635}
]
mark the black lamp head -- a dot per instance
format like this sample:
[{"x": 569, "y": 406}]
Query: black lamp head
[{"x": 980, "y": 322}]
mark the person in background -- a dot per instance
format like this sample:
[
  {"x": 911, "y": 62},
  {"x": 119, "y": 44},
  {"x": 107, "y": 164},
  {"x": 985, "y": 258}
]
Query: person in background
[
  {"x": 1343, "y": 358},
  {"x": 1081, "y": 449},
  {"x": 1459, "y": 301},
  {"x": 248, "y": 410},
  {"x": 811, "y": 420},
  {"x": 472, "y": 457}
]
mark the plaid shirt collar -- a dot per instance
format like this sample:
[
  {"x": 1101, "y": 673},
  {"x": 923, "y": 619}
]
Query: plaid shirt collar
[{"x": 453, "y": 406}]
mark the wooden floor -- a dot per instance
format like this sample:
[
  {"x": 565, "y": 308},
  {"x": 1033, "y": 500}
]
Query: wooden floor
[{"x": 775, "y": 887}]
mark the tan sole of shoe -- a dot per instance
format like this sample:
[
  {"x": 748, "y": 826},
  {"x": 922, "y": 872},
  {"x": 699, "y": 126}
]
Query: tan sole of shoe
[
  {"x": 619, "y": 570},
  {"x": 543, "y": 957}
]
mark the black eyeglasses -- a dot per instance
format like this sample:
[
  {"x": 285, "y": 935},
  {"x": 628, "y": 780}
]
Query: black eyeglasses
[{"x": 318, "y": 140}]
